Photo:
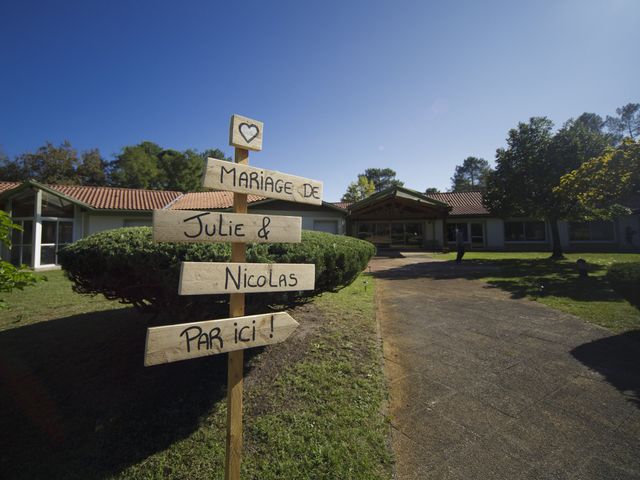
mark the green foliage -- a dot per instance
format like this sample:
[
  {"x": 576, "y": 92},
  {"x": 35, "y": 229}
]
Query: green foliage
[
  {"x": 92, "y": 168},
  {"x": 627, "y": 122},
  {"x": 430, "y": 190},
  {"x": 126, "y": 265},
  {"x": 359, "y": 190},
  {"x": 600, "y": 185},
  {"x": 625, "y": 278},
  {"x": 57, "y": 165},
  {"x": 147, "y": 165},
  {"x": 529, "y": 169},
  {"x": 471, "y": 175},
  {"x": 11, "y": 277},
  {"x": 137, "y": 167},
  {"x": 371, "y": 181},
  {"x": 382, "y": 178}
]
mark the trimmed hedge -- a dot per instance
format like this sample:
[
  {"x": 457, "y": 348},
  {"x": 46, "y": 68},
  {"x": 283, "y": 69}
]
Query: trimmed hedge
[
  {"x": 625, "y": 279},
  {"x": 125, "y": 264}
]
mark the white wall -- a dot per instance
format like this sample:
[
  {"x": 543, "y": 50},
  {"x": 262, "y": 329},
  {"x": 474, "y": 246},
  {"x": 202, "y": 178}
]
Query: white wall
[
  {"x": 308, "y": 217},
  {"x": 494, "y": 231},
  {"x": 99, "y": 223}
]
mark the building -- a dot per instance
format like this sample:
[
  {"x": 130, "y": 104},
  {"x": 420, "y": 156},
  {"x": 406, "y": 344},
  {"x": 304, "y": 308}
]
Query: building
[
  {"x": 53, "y": 216},
  {"x": 403, "y": 218}
]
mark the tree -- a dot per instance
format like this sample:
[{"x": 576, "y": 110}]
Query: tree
[
  {"x": 48, "y": 164},
  {"x": 600, "y": 185},
  {"x": 430, "y": 190},
  {"x": 529, "y": 169},
  {"x": 359, "y": 190},
  {"x": 627, "y": 123},
  {"x": 11, "y": 277},
  {"x": 181, "y": 171},
  {"x": 137, "y": 167},
  {"x": 215, "y": 153},
  {"x": 382, "y": 178},
  {"x": 92, "y": 168},
  {"x": 471, "y": 175}
]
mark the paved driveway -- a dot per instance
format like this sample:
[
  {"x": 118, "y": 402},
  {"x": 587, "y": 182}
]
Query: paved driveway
[{"x": 484, "y": 386}]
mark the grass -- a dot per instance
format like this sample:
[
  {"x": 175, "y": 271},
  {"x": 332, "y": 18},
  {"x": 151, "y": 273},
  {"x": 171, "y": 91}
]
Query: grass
[
  {"x": 50, "y": 298},
  {"x": 556, "y": 283},
  {"x": 77, "y": 402}
]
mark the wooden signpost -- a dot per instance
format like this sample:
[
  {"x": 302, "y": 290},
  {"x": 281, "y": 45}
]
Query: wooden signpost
[
  {"x": 222, "y": 175},
  {"x": 197, "y": 227},
  {"x": 199, "y": 339},
  {"x": 192, "y": 340},
  {"x": 207, "y": 278}
]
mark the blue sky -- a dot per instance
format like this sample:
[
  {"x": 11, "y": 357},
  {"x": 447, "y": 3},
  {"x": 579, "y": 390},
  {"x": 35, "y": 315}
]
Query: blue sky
[{"x": 341, "y": 86}]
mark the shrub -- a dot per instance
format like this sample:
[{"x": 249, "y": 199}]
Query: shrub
[
  {"x": 125, "y": 264},
  {"x": 625, "y": 279}
]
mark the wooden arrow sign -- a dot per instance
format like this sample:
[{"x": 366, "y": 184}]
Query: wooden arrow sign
[
  {"x": 206, "y": 278},
  {"x": 198, "y": 227},
  {"x": 199, "y": 339},
  {"x": 235, "y": 177}
]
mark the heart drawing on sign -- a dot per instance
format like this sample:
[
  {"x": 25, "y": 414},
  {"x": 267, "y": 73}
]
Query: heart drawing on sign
[{"x": 248, "y": 132}]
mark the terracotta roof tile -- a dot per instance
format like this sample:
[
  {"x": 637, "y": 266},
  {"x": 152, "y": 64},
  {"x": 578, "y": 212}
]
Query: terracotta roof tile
[
  {"x": 343, "y": 205},
  {"x": 462, "y": 203},
  {"x": 4, "y": 186},
  {"x": 111, "y": 198},
  {"x": 208, "y": 200}
]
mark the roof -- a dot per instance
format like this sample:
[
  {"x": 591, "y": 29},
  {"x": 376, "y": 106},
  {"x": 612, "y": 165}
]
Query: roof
[
  {"x": 399, "y": 192},
  {"x": 4, "y": 186},
  {"x": 110, "y": 198},
  {"x": 342, "y": 205},
  {"x": 208, "y": 200},
  {"x": 100, "y": 198},
  {"x": 462, "y": 203},
  {"x": 114, "y": 198}
]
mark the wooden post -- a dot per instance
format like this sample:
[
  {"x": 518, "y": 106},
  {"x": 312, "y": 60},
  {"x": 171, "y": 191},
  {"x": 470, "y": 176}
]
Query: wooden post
[{"x": 236, "y": 358}]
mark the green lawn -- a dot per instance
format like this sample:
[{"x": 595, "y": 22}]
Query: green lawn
[
  {"x": 556, "y": 283},
  {"x": 76, "y": 402}
]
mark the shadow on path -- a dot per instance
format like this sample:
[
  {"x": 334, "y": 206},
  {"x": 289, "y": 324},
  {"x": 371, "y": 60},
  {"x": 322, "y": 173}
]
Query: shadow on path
[
  {"x": 77, "y": 402},
  {"x": 520, "y": 277},
  {"x": 617, "y": 358}
]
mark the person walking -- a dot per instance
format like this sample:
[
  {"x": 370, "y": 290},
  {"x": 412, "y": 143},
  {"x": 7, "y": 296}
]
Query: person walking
[{"x": 459, "y": 245}]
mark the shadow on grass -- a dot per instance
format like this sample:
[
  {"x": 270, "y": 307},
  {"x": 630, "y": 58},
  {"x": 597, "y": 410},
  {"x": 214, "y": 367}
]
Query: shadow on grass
[
  {"x": 77, "y": 402},
  {"x": 520, "y": 277},
  {"x": 618, "y": 359}
]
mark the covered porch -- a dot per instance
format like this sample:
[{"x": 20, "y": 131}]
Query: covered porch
[{"x": 399, "y": 218}]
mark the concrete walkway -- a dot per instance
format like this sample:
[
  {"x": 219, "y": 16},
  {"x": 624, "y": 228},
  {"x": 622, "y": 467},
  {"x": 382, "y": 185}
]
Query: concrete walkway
[{"x": 487, "y": 387}]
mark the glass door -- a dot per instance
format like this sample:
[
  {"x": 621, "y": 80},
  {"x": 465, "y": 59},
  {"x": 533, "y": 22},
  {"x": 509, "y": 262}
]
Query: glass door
[
  {"x": 477, "y": 235},
  {"x": 21, "y": 243},
  {"x": 55, "y": 235}
]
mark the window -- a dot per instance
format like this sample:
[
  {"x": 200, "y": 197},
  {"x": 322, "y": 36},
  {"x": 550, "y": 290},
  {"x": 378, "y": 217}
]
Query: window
[
  {"x": 477, "y": 234},
  {"x": 21, "y": 242},
  {"x": 56, "y": 234},
  {"x": 451, "y": 231},
  {"x": 413, "y": 233},
  {"x": 23, "y": 205},
  {"x": 365, "y": 230},
  {"x": 53, "y": 206},
  {"x": 598, "y": 231},
  {"x": 135, "y": 222},
  {"x": 524, "y": 232}
]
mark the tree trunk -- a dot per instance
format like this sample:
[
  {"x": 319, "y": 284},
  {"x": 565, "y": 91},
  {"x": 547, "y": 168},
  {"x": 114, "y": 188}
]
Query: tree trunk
[{"x": 555, "y": 240}]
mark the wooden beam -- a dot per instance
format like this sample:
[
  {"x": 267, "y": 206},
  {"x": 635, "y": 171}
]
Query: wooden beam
[{"x": 235, "y": 362}]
